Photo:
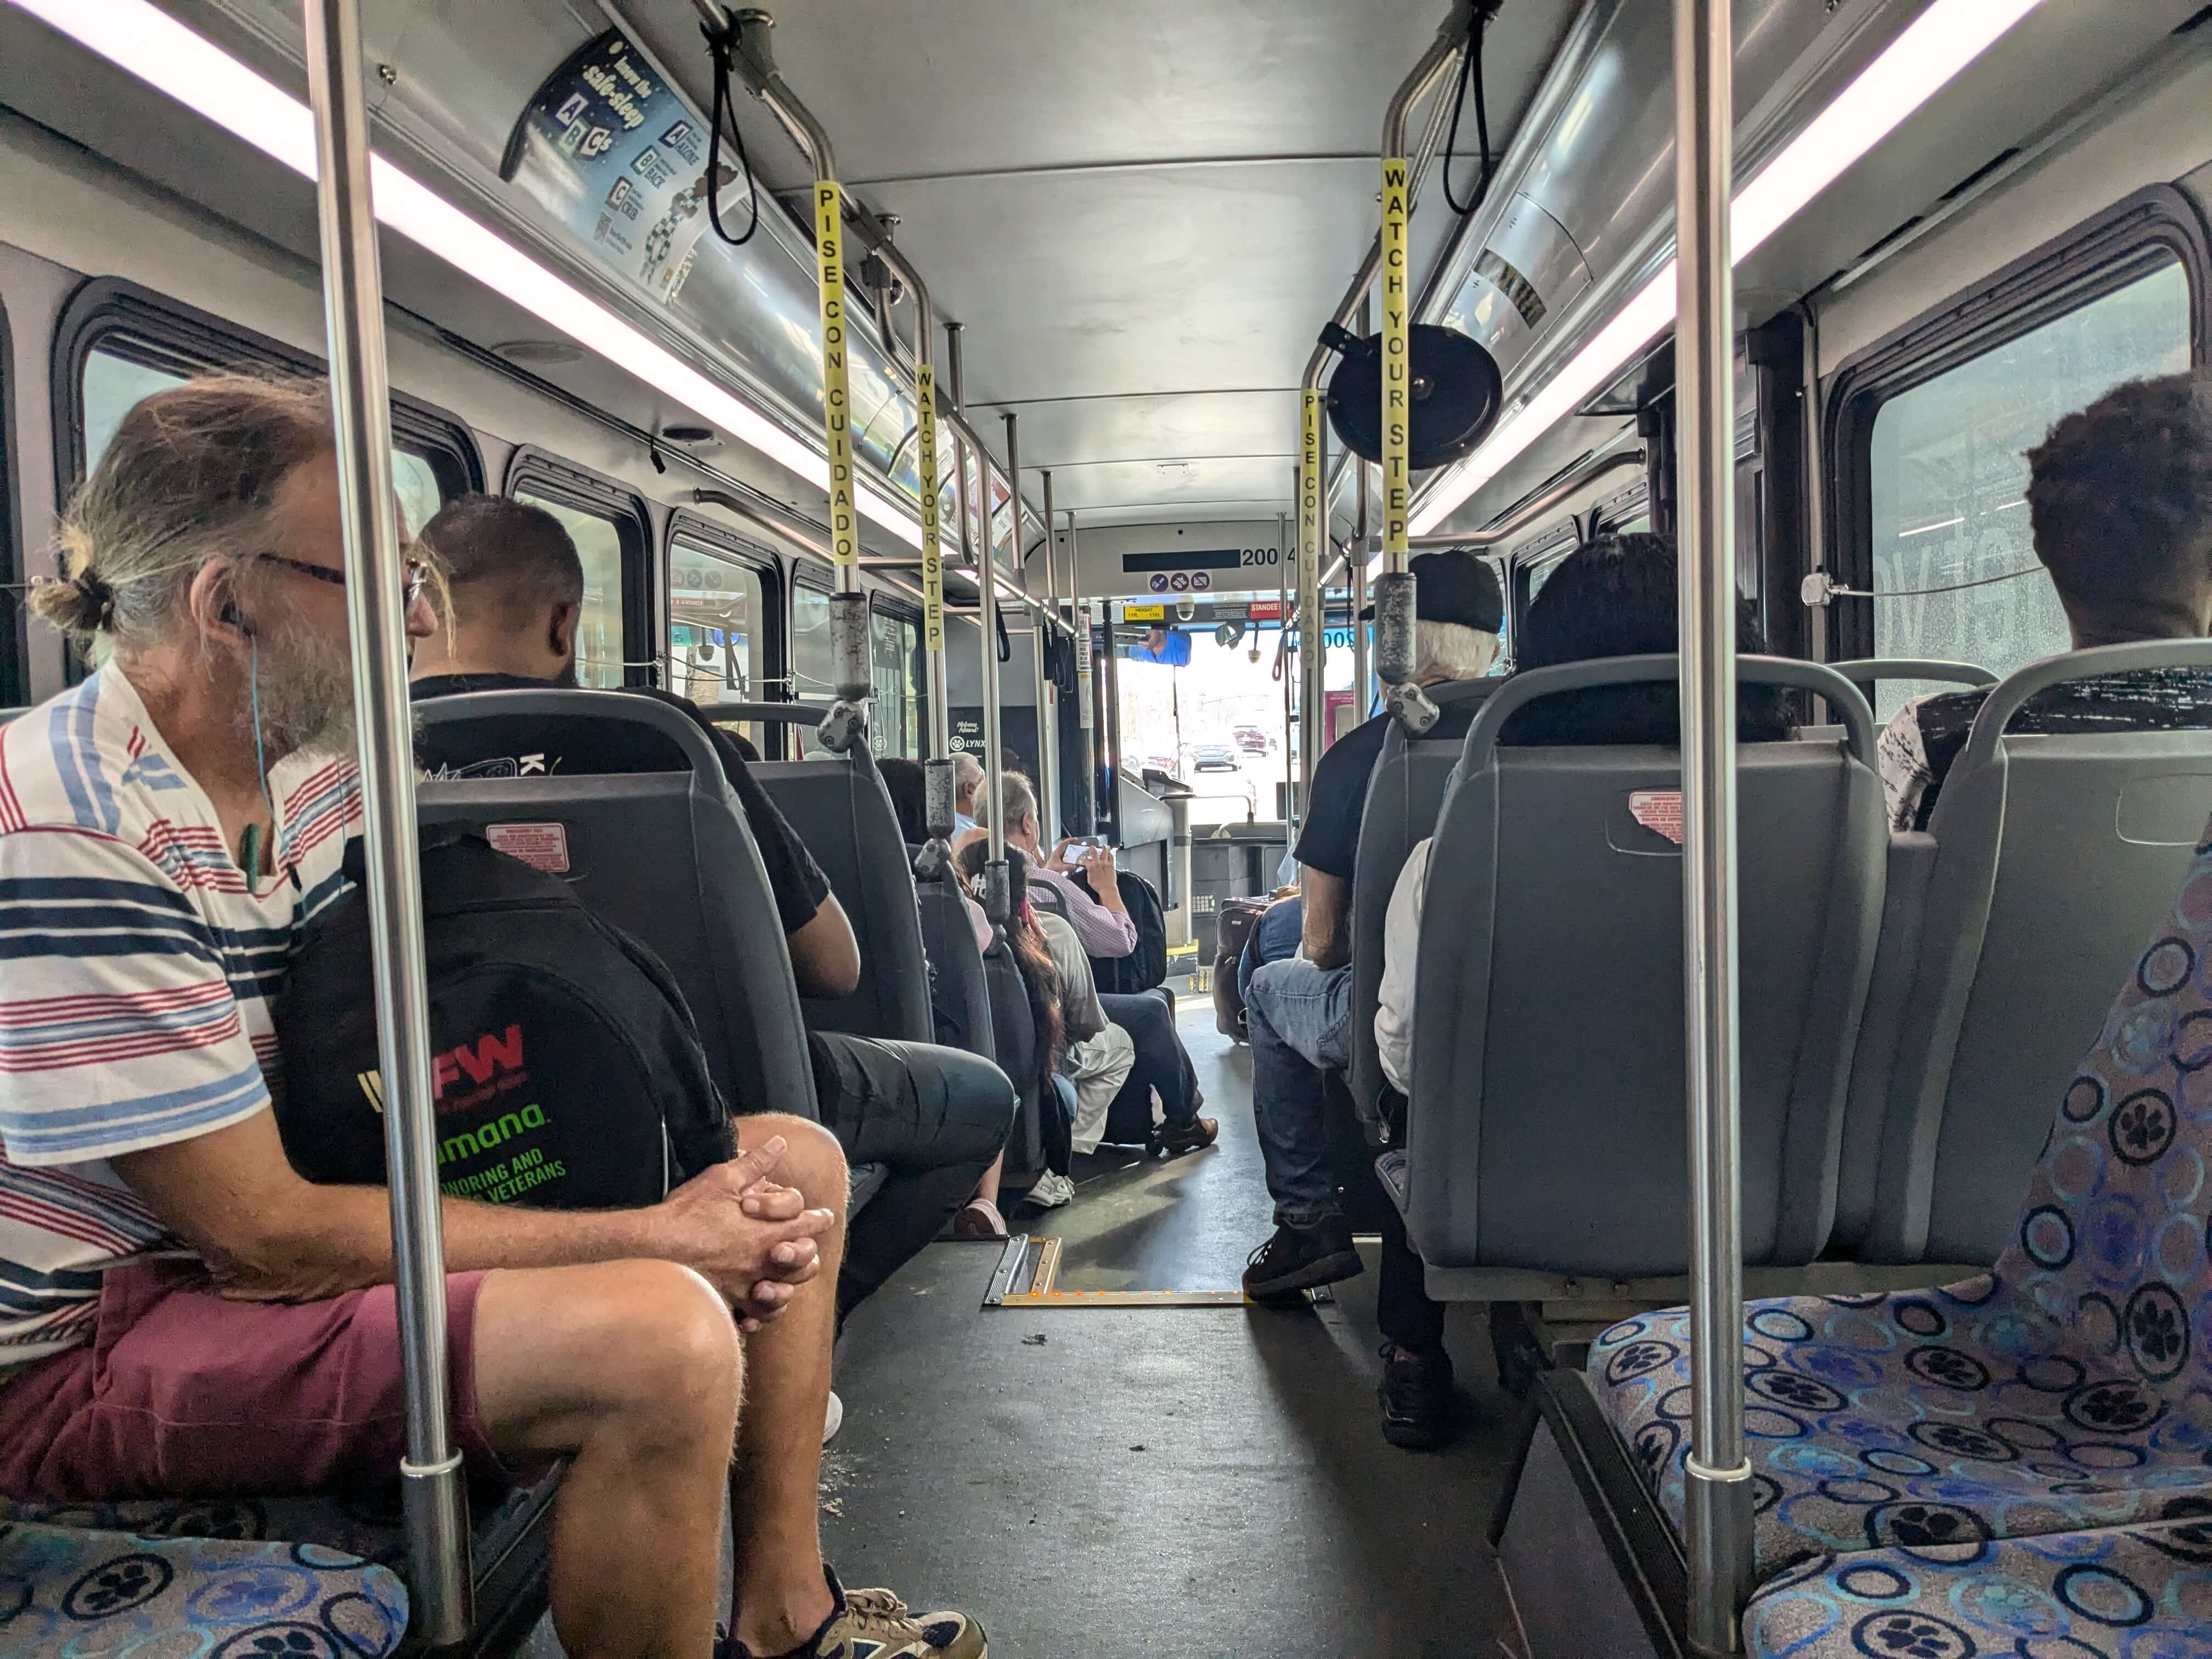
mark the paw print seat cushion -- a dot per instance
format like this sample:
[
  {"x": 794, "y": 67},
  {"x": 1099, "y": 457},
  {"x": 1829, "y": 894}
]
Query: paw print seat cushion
[{"x": 2068, "y": 1391}]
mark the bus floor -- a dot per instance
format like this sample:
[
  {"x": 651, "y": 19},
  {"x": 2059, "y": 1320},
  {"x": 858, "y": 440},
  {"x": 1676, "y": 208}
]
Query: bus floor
[{"x": 1124, "y": 1483}]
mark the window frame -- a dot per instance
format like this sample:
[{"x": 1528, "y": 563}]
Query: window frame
[
  {"x": 183, "y": 339},
  {"x": 2096, "y": 259},
  {"x": 14, "y": 561},
  {"x": 691, "y": 526},
  {"x": 557, "y": 479}
]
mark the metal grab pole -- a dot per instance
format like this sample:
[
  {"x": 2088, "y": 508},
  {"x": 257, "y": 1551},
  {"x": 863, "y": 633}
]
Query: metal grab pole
[
  {"x": 1086, "y": 714},
  {"x": 1283, "y": 660},
  {"x": 1360, "y": 555},
  {"x": 436, "y": 1501},
  {"x": 1718, "y": 1517},
  {"x": 998, "y": 895},
  {"x": 1048, "y": 690},
  {"x": 1394, "y": 588},
  {"x": 1313, "y": 646},
  {"x": 846, "y": 722}
]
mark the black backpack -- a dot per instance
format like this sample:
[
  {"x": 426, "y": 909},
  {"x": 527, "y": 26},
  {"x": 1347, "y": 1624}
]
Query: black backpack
[
  {"x": 565, "y": 1069},
  {"x": 1147, "y": 965}
]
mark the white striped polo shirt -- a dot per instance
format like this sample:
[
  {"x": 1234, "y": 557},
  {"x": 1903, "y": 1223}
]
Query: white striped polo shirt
[{"x": 137, "y": 970}]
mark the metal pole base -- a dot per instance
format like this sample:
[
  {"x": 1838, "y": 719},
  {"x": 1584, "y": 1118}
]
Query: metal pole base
[
  {"x": 1717, "y": 1531},
  {"x": 436, "y": 1502},
  {"x": 1394, "y": 626},
  {"x": 1412, "y": 708},
  {"x": 844, "y": 727},
  {"x": 848, "y": 646},
  {"x": 998, "y": 892}
]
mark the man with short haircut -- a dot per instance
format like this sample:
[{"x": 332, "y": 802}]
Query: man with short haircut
[
  {"x": 187, "y": 1317},
  {"x": 1297, "y": 1013},
  {"x": 967, "y": 788},
  {"x": 2119, "y": 499},
  {"x": 515, "y": 588}
]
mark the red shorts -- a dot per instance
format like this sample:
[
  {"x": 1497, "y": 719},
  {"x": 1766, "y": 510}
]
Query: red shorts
[{"x": 182, "y": 1394}]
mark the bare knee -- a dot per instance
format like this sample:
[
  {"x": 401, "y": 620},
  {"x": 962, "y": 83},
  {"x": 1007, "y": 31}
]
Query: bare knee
[
  {"x": 680, "y": 1356},
  {"x": 814, "y": 1162}
]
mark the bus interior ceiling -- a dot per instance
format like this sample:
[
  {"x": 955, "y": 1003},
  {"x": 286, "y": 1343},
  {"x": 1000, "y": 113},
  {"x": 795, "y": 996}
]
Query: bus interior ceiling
[{"x": 1138, "y": 215}]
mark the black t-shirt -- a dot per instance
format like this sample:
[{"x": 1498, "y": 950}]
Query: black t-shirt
[
  {"x": 1330, "y": 839},
  {"x": 796, "y": 879}
]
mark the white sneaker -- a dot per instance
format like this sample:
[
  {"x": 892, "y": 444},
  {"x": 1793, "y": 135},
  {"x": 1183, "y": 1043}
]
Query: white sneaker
[
  {"x": 1050, "y": 1192},
  {"x": 833, "y": 1419}
]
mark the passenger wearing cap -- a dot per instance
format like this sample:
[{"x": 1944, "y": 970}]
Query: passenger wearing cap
[{"x": 1299, "y": 1008}]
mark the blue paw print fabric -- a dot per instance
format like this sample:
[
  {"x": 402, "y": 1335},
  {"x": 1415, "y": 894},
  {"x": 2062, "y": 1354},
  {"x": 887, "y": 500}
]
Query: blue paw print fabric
[
  {"x": 2068, "y": 1391},
  {"x": 2141, "y": 1592},
  {"x": 68, "y": 1591}
]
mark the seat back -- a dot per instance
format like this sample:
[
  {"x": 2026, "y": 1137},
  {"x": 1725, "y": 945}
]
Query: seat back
[
  {"x": 1548, "y": 1123},
  {"x": 839, "y": 806},
  {"x": 1014, "y": 1032},
  {"x": 663, "y": 852},
  {"x": 960, "y": 997},
  {"x": 1404, "y": 792},
  {"x": 2053, "y": 853}
]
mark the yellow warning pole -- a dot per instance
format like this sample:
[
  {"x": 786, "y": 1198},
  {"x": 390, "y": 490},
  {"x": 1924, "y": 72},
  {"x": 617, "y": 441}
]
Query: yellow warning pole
[
  {"x": 1397, "y": 472},
  {"x": 836, "y": 395}
]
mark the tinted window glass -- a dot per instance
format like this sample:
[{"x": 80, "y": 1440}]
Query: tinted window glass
[
  {"x": 813, "y": 666},
  {"x": 599, "y": 646},
  {"x": 895, "y": 664},
  {"x": 1949, "y": 475},
  {"x": 717, "y": 628},
  {"x": 113, "y": 384}
]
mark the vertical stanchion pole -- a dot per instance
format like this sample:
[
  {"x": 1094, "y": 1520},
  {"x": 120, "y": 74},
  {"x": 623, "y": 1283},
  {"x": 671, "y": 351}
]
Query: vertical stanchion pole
[
  {"x": 997, "y": 895},
  {"x": 1393, "y": 587},
  {"x": 1284, "y": 671},
  {"x": 1312, "y": 642},
  {"x": 1718, "y": 1517},
  {"x": 1078, "y": 618},
  {"x": 361, "y": 395},
  {"x": 1045, "y": 618},
  {"x": 939, "y": 802},
  {"x": 846, "y": 722},
  {"x": 1361, "y": 553}
]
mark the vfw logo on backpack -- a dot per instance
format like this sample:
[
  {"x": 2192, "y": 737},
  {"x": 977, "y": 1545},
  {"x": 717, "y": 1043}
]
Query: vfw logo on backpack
[
  {"x": 565, "y": 1070},
  {"x": 476, "y": 1079}
]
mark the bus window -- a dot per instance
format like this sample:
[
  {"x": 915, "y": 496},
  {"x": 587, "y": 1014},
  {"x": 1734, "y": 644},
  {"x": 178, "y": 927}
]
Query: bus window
[
  {"x": 1948, "y": 480},
  {"x": 813, "y": 666},
  {"x": 113, "y": 383},
  {"x": 717, "y": 628},
  {"x": 599, "y": 630},
  {"x": 895, "y": 664}
]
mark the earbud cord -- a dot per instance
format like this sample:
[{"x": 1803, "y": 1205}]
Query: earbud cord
[{"x": 249, "y": 844}]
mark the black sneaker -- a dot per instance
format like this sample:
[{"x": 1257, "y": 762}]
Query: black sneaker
[
  {"x": 1418, "y": 1404},
  {"x": 1298, "y": 1259}
]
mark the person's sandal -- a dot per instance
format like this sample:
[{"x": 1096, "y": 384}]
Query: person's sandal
[
  {"x": 979, "y": 1218},
  {"x": 1175, "y": 1139}
]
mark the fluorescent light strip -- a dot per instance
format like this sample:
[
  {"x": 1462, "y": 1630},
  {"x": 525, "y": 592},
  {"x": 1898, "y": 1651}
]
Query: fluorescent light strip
[
  {"x": 1930, "y": 53},
  {"x": 138, "y": 38}
]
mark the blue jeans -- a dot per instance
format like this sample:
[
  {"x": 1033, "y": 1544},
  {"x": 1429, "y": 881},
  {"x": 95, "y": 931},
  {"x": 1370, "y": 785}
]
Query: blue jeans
[{"x": 1297, "y": 1016}]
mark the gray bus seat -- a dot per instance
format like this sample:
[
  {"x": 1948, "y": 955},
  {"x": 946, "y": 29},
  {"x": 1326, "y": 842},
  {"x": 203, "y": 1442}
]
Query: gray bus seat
[
  {"x": 2058, "y": 1394},
  {"x": 960, "y": 999},
  {"x": 842, "y": 812},
  {"x": 664, "y": 855},
  {"x": 1404, "y": 792},
  {"x": 1547, "y": 1125},
  {"x": 2049, "y": 854},
  {"x": 1014, "y": 1033}
]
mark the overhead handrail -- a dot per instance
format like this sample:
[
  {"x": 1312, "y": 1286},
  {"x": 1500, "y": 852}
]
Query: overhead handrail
[
  {"x": 433, "y": 1500},
  {"x": 1717, "y": 1506}
]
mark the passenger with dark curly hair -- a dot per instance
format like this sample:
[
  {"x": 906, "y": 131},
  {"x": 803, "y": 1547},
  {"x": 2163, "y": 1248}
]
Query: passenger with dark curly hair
[{"x": 2119, "y": 498}]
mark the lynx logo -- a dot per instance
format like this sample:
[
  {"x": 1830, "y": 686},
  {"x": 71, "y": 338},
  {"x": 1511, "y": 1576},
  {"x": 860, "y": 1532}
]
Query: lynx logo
[{"x": 473, "y": 1064}]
